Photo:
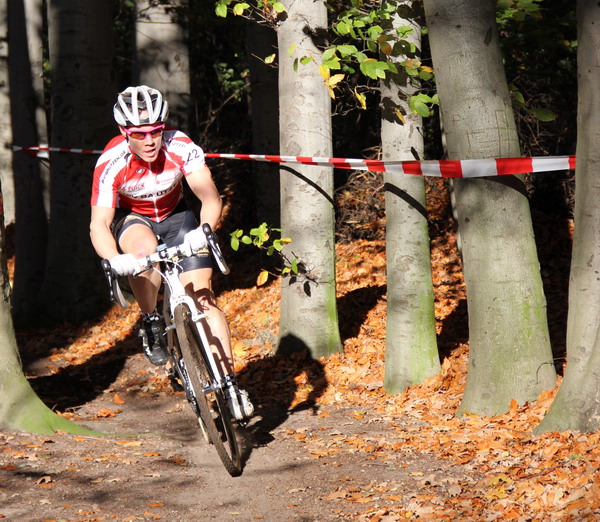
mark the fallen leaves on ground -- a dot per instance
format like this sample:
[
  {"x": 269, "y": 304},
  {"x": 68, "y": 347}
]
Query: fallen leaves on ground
[{"x": 501, "y": 471}]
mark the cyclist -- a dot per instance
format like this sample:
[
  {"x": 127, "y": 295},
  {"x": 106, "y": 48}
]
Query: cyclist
[{"x": 137, "y": 196}]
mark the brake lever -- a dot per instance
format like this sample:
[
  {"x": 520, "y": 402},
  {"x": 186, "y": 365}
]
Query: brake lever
[
  {"x": 211, "y": 238},
  {"x": 114, "y": 291}
]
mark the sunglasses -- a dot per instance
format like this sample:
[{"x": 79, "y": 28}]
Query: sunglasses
[{"x": 154, "y": 132}]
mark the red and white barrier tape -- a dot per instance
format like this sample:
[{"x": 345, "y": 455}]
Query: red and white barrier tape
[
  {"x": 471, "y": 168},
  {"x": 42, "y": 151}
]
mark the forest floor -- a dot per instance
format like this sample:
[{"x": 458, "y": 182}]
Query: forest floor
[{"x": 326, "y": 443}]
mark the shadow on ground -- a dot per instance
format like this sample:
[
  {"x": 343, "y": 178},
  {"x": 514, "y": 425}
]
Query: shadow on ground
[
  {"x": 75, "y": 385},
  {"x": 280, "y": 386},
  {"x": 354, "y": 307}
]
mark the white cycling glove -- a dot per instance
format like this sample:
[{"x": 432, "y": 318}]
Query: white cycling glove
[
  {"x": 193, "y": 241},
  {"x": 124, "y": 264}
]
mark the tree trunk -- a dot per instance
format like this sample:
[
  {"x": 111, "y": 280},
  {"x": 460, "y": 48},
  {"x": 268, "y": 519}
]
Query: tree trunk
[
  {"x": 6, "y": 171},
  {"x": 81, "y": 52},
  {"x": 29, "y": 129},
  {"x": 162, "y": 57},
  {"x": 577, "y": 404},
  {"x": 262, "y": 42},
  {"x": 20, "y": 407},
  {"x": 309, "y": 316},
  {"x": 510, "y": 355},
  {"x": 411, "y": 347}
]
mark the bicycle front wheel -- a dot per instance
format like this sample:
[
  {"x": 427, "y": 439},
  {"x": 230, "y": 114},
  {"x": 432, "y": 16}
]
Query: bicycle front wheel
[{"x": 210, "y": 400}]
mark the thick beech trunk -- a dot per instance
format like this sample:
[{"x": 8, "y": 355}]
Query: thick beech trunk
[
  {"x": 32, "y": 174},
  {"x": 411, "y": 347},
  {"x": 510, "y": 355},
  {"x": 577, "y": 404},
  {"x": 309, "y": 316},
  {"x": 81, "y": 53}
]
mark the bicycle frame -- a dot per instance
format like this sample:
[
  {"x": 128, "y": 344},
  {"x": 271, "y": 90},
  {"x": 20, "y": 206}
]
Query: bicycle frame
[{"x": 174, "y": 296}]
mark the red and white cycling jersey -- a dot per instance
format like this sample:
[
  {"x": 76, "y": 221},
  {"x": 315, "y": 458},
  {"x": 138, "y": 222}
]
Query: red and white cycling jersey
[{"x": 122, "y": 180}]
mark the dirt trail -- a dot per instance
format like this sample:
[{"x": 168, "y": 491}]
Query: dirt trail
[{"x": 292, "y": 471}]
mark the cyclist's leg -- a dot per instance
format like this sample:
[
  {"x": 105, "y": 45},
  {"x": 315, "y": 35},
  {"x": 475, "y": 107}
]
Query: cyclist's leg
[
  {"x": 137, "y": 238},
  {"x": 197, "y": 284},
  {"x": 135, "y": 235}
]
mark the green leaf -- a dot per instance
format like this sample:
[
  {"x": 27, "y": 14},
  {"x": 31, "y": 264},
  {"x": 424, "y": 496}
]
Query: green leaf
[
  {"x": 221, "y": 10},
  {"x": 291, "y": 50},
  {"x": 543, "y": 114},
  {"x": 418, "y": 106},
  {"x": 246, "y": 240},
  {"x": 270, "y": 59},
  {"x": 328, "y": 54},
  {"x": 238, "y": 9},
  {"x": 342, "y": 28},
  {"x": 374, "y": 31},
  {"x": 403, "y": 31},
  {"x": 294, "y": 267},
  {"x": 333, "y": 64},
  {"x": 425, "y": 75},
  {"x": 360, "y": 57},
  {"x": 347, "y": 50},
  {"x": 235, "y": 243},
  {"x": 279, "y": 7}
]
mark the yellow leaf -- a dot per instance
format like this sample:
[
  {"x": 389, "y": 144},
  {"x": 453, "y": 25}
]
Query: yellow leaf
[
  {"x": 400, "y": 116},
  {"x": 262, "y": 278},
  {"x": 335, "y": 79},
  {"x": 239, "y": 349},
  {"x": 325, "y": 71},
  {"x": 499, "y": 479},
  {"x": 362, "y": 99}
]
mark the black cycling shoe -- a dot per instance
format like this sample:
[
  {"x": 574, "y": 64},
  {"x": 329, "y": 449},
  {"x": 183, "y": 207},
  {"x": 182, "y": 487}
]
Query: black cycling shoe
[{"x": 153, "y": 341}]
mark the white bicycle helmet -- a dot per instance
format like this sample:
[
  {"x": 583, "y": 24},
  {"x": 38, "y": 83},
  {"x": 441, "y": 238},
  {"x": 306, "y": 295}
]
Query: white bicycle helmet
[{"x": 141, "y": 105}]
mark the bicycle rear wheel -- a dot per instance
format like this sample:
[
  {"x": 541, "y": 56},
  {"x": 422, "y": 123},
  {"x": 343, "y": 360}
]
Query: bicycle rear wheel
[{"x": 217, "y": 421}]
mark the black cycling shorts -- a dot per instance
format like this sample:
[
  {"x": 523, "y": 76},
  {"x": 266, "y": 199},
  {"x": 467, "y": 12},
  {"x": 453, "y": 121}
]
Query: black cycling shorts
[{"x": 169, "y": 231}]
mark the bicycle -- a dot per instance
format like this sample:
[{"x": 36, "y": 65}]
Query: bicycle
[{"x": 191, "y": 359}]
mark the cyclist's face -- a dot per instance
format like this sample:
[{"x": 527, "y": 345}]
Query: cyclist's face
[{"x": 144, "y": 140}]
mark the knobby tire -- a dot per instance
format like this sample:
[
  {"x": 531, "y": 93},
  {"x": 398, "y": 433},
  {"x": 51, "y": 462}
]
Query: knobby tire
[{"x": 220, "y": 429}]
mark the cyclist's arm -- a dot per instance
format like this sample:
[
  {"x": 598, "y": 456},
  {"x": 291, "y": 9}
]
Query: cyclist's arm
[
  {"x": 202, "y": 184},
  {"x": 102, "y": 239}
]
